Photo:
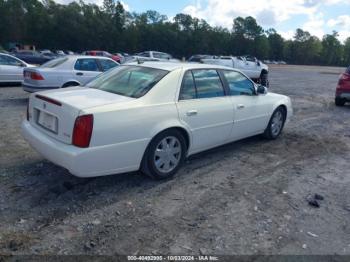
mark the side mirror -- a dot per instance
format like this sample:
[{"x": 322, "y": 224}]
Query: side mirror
[
  {"x": 261, "y": 90},
  {"x": 23, "y": 65}
]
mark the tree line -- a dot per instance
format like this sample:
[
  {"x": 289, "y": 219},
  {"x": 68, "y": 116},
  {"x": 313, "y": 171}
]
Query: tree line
[{"x": 79, "y": 26}]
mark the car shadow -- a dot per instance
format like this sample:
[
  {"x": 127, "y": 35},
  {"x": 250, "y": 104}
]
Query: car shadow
[
  {"x": 38, "y": 184},
  {"x": 10, "y": 84},
  {"x": 14, "y": 102}
]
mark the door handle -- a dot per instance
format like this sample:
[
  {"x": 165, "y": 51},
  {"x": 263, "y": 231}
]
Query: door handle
[
  {"x": 79, "y": 74},
  {"x": 192, "y": 113},
  {"x": 240, "y": 106}
]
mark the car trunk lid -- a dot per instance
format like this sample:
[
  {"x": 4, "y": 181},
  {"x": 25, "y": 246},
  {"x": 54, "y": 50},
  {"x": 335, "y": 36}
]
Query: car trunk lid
[{"x": 54, "y": 112}]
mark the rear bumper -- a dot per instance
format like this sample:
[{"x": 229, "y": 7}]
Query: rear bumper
[
  {"x": 343, "y": 93},
  {"x": 33, "y": 88},
  {"x": 86, "y": 162}
]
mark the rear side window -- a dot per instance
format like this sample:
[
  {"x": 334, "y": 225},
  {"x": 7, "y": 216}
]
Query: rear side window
[
  {"x": 208, "y": 83},
  {"x": 131, "y": 81},
  {"x": 107, "y": 64},
  {"x": 54, "y": 63},
  {"x": 238, "y": 83},
  {"x": 86, "y": 64},
  {"x": 188, "y": 89}
]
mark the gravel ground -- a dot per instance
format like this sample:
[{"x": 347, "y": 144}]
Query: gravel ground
[{"x": 248, "y": 197}]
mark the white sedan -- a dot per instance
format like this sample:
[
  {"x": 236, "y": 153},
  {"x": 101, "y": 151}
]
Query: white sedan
[
  {"x": 150, "y": 117},
  {"x": 11, "y": 69},
  {"x": 65, "y": 72}
]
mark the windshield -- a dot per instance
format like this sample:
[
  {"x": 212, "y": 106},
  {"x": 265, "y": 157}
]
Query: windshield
[
  {"x": 131, "y": 81},
  {"x": 55, "y": 62}
]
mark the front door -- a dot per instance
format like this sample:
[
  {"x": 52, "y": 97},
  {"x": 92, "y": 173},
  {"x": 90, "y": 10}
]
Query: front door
[{"x": 250, "y": 110}]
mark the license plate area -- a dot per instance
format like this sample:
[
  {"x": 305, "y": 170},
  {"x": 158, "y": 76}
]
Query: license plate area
[{"x": 47, "y": 121}]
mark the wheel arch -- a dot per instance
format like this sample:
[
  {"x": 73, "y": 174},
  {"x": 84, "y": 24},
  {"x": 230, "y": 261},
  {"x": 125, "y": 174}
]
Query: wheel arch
[
  {"x": 264, "y": 71},
  {"x": 181, "y": 129},
  {"x": 71, "y": 82}
]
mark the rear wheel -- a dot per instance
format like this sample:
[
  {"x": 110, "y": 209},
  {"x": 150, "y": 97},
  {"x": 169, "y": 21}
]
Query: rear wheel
[
  {"x": 276, "y": 124},
  {"x": 164, "y": 155},
  {"x": 339, "y": 101}
]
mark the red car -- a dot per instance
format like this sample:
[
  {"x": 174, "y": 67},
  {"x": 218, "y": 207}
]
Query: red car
[
  {"x": 104, "y": 53},
  {"x": 342, "y": 94}
]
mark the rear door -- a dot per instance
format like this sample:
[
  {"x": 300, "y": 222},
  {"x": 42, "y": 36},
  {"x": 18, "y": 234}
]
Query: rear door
[
  {"x": 250, "y": 110},
  {"x": 86, "y": 69},
  {"x": 205, "y": 109}
]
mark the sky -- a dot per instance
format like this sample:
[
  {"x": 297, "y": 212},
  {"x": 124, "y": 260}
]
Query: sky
[{"x": 318, "y": 17}]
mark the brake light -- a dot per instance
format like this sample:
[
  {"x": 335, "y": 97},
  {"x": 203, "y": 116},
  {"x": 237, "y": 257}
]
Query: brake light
[
  {"x": 36, "y": 76},
  {"x": 83, "y": 130},
  {"x": 344, "y": 78},
  {"x": 49, "y": 100}
]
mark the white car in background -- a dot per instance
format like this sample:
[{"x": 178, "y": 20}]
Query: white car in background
[
  {"x": 252, "y": 67},
  {"x": 65, "y": 72},
  {"x": 11, "y": 69},
  {"x": 150, "y": 117},
  {"x": 155, "y": 56}
]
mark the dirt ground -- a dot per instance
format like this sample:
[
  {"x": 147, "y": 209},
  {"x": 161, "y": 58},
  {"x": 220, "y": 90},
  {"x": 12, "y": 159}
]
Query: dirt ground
[{"x": 248, "y": 197}]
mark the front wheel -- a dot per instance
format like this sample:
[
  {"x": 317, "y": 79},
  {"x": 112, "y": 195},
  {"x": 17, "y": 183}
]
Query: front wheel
[
  {"x": 264, "y": 79},
  {"x": 164, "y": 155},
  {"x": 276, "y": 124}
]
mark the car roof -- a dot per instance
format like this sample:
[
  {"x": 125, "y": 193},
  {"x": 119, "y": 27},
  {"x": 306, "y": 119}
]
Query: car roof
[
  {"x": 87, "y": 56},
  {"x": 171, "y": 66}
]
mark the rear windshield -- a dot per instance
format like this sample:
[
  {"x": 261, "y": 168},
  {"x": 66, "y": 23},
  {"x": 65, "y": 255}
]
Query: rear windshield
[
  {"x": 54, "y": 63},
  {"x": 131, "y": 81}
]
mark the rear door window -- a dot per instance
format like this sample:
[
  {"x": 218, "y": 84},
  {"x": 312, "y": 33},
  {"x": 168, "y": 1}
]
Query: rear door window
[
  {"x": 54, "y": 63},
  {"x": 107, "y": 64},
  {"x": 86, "y": 64}
]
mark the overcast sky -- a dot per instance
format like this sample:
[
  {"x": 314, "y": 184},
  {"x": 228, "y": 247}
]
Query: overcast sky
[{"x": 316, "y": 16}]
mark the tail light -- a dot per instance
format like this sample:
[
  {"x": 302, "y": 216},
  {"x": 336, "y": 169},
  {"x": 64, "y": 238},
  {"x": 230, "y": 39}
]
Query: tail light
[
  {"x": 36, "y": 76},
  {"x": 83, "y": 130},
  {"x": 344, "y": 78}
]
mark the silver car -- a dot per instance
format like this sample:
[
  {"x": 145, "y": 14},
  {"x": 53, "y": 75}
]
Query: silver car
[
  {"x": 65, "y": 72},
  {"x": 11, "y": 69}
]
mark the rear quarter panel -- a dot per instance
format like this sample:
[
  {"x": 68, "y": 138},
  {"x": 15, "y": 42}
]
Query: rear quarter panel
[{"x": 130, "y": 128}]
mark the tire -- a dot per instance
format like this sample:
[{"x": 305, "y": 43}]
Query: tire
[
  {"x": 339, "y": 101},
  {"x": 264, "y": 79},
  {"x": 70, "y": 84},
  {"x": 159, "y": 164},
  {"x": 276, "y": 124}
]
